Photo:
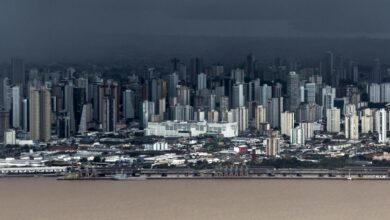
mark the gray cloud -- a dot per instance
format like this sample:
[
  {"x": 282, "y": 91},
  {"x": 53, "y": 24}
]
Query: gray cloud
[{"x": 45, "y": 26}]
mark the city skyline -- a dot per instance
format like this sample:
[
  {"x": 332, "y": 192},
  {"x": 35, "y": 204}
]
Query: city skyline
[{"x": 194, "y": 109}]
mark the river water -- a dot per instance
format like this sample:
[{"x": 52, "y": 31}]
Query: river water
[{"x": 49, "y": 199}]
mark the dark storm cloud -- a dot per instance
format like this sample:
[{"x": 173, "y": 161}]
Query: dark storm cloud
[
  {"x": 308, "y": 16},
  {"x": 54, "y": 27},
  {"x": 201, "y": 17}
]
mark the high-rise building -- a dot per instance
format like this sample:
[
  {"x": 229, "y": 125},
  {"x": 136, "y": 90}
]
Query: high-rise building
[
  {"x": 274, "y": 110},
  {"x": 16, "y": 113},
  {"x": 287, "y": 121},
  {"x": 144, "y": 114},
  {"x": 63, "y": 125},
  {"x": 79, "y": 100},
  {"x": 352, "y": 126},
  {"x": 196, "y": 67},
  {"x": 376, "y": 75},
  {"x": 272, "y": 144},
  {"x": 182, "y": 113},
  {"x": 183, "y": 95},
  {"x": 328, "y": 69},
  {"x": 293, "y": 91},
  {"x": 202, "y": 81},
  {"x": 212, "y": 102},
  {"x": 224, "y": 104},
  {"x": 350, "y": 109},
  {"x": 328, "y": 97},
  {"x": 109, "y": 114},
  {"x": 6, "y": 94},
  {"x": 238, "y": 99},
  {"x": 277, "y": 90},
  {"x": 381, "y": 125},
  {"x": 173, "y": 81},
  {"x": 354, "y": 72},
  {"x": 128, "y": 104},
  {"x": 333, "y": 120},
  {"x": 367, "y": 120},
  {"x": 238, "y": 75},
  {"x": 86, "y": 118},
  {"x": 45, "y": 115},
  {"x": 4, "y": 122},
  {"x": 250, "y": 66},
  {"x": 265, "y": 94},
  {"x": 309, "y": 112},
  {"x": 385, "y": 92},
  {"x": 308, "y": 129},
  {"x": 240, "y": 115},
  {"x": 374, "y": 92},
  {"x": 212, "y": 116},
  {"x": 69, "y": 104},
  {"x": 261, "y": 116},
  {"x": 40, "y": 114},
  {"x": 17, "y": 74},
  {"x": 25, "y": 115},
  {"x": 310, "y": 93},
  {"x": 2, "y": 90},
  {"x": 297, "y": 136}
]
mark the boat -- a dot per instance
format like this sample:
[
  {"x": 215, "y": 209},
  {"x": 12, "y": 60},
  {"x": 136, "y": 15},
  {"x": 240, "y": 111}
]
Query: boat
[
  {"x": 124, "y": 176},
  {"x": 120, "y": 176},
  {"x": 349, "y": 175}
]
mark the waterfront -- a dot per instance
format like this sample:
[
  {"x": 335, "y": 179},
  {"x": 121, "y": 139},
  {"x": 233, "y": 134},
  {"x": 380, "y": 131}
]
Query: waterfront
[{"x": 47, "y": 198}]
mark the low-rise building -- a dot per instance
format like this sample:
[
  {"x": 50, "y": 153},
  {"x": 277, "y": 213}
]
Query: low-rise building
[{"x": 191, "y": 129}]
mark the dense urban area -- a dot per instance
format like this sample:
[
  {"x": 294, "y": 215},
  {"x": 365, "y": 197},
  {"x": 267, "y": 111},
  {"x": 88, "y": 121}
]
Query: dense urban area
[{"x": 194, "y": 115}]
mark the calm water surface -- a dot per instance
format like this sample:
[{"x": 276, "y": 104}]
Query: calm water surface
[{"x": 49, "y": 199}]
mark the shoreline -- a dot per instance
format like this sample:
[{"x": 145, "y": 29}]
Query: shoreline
[{"x": 198, "y": 178}]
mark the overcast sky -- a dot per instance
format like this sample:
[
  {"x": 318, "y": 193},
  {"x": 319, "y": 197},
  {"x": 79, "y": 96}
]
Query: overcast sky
[{"x": 35, "y": 22}]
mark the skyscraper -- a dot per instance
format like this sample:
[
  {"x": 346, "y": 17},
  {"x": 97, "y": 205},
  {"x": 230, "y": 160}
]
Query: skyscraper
[
  {"x": 297, "y": 136},
  {"x": 40, "y": 114},
  {"x": 242, "y": 119},
  {"x": 63, "y": 125},
  {"x": 381, "y": 125},
  {"x": 25, "y": 115},
  {"x": 128, "y": 104},
  {"x": 109, "y": 114},
  {"x": 333, "y": 120},
  {"x": 196, "y": 67},
  {"x": 374, "y": 92},
  {"x": 328, "y": 96},
  {"x": 2, "y": 92},
  {"x": 261, "y": 116},
  {"x": 265, "y": 94},
  {"x": 16, "y": 113},
  {"x": 202, "y": 81},
  {"x": 367, "y": 120},
  {"x": 250, "y": 66},
  {"x": 274, "y": 109},
  {"x": 328, "y": 68},
  {"x": 272, "y": 144},
  {"x": 293, "y": 91},
  {"x": 287, "y": 122},
  {"x": 69, "y": 105},
  {"x": 4, "y": 122},
  {"x": 17, "y": 76},
  {"x": 308, "y": 129},
  {"x": 352, "y": 126},
  {"x": 376, "y": 75},
  {"x": 310, "y": 93},
  {"x": 238, "y": 96},
  {"x": 182, "y": 113}
]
